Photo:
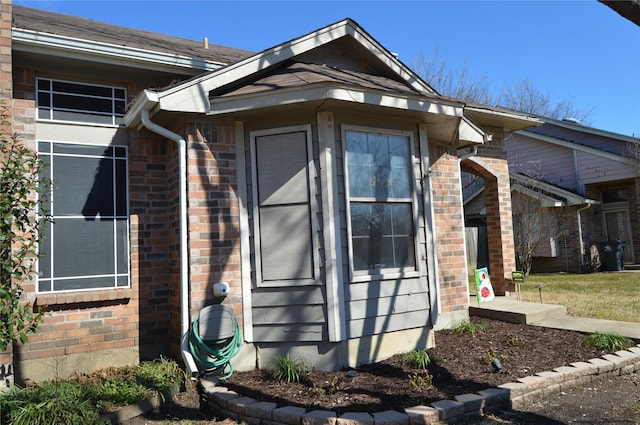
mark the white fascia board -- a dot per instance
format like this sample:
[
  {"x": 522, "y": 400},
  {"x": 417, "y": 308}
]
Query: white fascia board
[
  {"x": 146, "y": 101},
  {"x": 545, "y": 200},
  {"x": 578, "y": 147},
  {"x": 192, "y": 96},
  {"x": 469, "y": 132},
  {"x": 572, "y": 198},
  {"x": 223, "y": 105},
  {"x": 63, "y": 46}
]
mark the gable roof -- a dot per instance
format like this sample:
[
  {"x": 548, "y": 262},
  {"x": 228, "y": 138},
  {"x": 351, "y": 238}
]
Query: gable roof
[
  {"x": 340, "y": 62},
  {"x": 192, "y": 95},
  {"x": 35, "y": 29}
]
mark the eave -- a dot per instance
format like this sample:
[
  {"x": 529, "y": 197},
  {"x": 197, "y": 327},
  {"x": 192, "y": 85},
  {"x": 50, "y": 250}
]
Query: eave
[
  {"x": 47, "y": 44},
  {"x": 557, "y": 197},
  {"x": 499, "y": 118},
  {"x": 230, "y": 104}
]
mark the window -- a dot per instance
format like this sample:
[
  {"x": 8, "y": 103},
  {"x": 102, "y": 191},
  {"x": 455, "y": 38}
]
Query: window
[
  {"x": 282, "y": 207},
  {"x": 380, "y": 195},
  {"x": 86, "y": 244},
  {"x": 75, "y": 102}
]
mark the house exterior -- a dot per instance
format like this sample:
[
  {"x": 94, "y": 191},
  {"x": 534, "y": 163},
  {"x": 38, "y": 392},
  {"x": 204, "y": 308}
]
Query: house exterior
[
  {"x": 316, "y": 185},
  {"x": 586, "y": 181}
]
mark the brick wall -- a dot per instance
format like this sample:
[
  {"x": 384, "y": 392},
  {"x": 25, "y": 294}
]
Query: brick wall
[
  {"x": 449, "y": 226},
  {"x": 154, "y": 248},
  {"x": 214, "y": 225},
  {"x": 490, "y": 163}
]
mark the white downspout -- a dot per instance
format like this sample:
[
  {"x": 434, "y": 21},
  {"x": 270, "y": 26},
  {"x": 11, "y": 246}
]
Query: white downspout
[
  {"x": 184, "y": 278},
  {"x": 582, "y": 253}
]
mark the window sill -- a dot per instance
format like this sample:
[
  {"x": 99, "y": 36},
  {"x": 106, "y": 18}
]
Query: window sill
[
  {"x": 385, "y": 276},
  {"x": 84, "y": 297}
]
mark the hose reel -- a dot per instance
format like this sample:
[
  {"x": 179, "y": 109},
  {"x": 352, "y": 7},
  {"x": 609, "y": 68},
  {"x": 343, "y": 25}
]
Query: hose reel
[{"x": 215, "y": 337}]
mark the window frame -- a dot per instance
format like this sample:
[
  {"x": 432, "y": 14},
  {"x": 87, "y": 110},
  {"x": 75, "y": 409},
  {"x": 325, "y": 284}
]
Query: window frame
[
  {"x": 115, "y": 275},
  {"x": 117, "y": 119},
  {"x": 382, "y": 273},
  {"x": 313, "y": 208}
]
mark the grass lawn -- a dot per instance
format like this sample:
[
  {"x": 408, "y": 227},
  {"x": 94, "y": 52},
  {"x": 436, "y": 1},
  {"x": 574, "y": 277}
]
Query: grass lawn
[{"x": 605, "y": 295}]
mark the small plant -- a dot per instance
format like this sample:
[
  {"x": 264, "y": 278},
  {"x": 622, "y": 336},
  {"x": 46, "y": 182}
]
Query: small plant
[
  {"x": 607, "y": 342},
  {"x": 288, "y": 369},
  {"x": 469, "y": 326},
  {"x": 516, "y": 341},
  {"x": 421, "y": 379},
  {"x": 417, "y": 358},
  {"x": 491, "y": 356}
]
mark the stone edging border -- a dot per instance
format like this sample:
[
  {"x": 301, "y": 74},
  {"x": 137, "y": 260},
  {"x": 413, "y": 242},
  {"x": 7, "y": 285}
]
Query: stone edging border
[
  {"x": 124, "y": 413},
  {"x": 225, "y": 403}
]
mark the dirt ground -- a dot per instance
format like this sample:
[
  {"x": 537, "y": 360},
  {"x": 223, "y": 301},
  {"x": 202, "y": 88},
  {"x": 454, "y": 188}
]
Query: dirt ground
[{"x": 461, "y": 364}]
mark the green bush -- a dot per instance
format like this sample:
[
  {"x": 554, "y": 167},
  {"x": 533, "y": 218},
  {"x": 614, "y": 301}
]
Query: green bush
[
  {"x": 417, "y": 358},
  {"x": 469, "y": 326},
  {"x": 52, "y": 402},
  {"x": 607, "y": 342},
  {"x": 81, "y": 399},
  {"x": 288, "y": 369}
]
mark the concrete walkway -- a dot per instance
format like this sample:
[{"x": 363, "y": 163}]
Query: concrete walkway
[{"x": 511, "y": 310}]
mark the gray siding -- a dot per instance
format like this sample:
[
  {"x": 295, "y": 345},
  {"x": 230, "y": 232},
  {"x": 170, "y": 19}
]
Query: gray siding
[{"x": 291, "y": 310}]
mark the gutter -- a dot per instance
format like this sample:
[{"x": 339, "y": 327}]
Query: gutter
[
  {"x": 143, "y": 106},
  {"x": 44, "y": 43}
]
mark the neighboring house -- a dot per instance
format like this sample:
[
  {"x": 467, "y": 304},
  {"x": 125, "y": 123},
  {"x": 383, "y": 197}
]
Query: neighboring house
[
  {"x": 586, "y": 182},
  {"x": 318, "y": 179}
]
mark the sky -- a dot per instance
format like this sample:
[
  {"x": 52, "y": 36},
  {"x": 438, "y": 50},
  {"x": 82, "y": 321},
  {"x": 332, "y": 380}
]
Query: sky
[{"x": 579, "y": 49}]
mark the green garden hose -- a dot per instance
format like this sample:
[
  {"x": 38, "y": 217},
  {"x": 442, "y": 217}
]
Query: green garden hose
[{"x": 222, "y": 350}]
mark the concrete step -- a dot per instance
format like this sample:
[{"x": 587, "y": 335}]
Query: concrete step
[{"x": 511, "y": 310}]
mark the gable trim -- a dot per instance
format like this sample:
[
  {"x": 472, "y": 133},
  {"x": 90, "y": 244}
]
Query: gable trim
[{"x": 192, "y": 96}]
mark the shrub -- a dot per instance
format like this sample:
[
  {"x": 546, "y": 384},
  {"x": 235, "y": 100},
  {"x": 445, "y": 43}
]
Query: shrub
[
  {"x": 418, "y": 358},
  {"x": 288, "y": 369},
  {"x": 49, "y": 403},
  {"x": 607, "y": 342},
  {"x": 469, "y": 326},
  {"x": 82, "y": 398}
]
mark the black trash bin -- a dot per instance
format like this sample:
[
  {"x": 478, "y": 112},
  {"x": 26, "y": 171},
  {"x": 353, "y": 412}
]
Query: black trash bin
[{"x": 611, "y": 255}]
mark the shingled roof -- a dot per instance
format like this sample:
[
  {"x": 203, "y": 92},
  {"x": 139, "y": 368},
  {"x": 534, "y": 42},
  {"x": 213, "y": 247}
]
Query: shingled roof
[{"x": 86, "y": 29}]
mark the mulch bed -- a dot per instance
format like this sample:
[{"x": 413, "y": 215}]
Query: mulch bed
[{"x": 461, "y": 363}]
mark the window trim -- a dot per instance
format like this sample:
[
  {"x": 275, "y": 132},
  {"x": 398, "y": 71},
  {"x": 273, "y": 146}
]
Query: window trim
[
  {"x": 127, "y": 243},
  {"x": 313, "y": 208},
  {"x": 389, "y": 273},
  {"x": 113, "y": 114}
]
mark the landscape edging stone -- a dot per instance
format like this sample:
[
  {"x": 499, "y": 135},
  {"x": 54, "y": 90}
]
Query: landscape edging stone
[{"x": 509, "y": 395}]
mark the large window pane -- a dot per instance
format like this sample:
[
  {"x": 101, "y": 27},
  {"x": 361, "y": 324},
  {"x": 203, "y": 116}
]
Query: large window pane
[
  {"x": 83, "y": 247},
  {"x": 381, "y": 201},
  {"x": 86, "y": 246},
  {"x": 83, "y": 186}
]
